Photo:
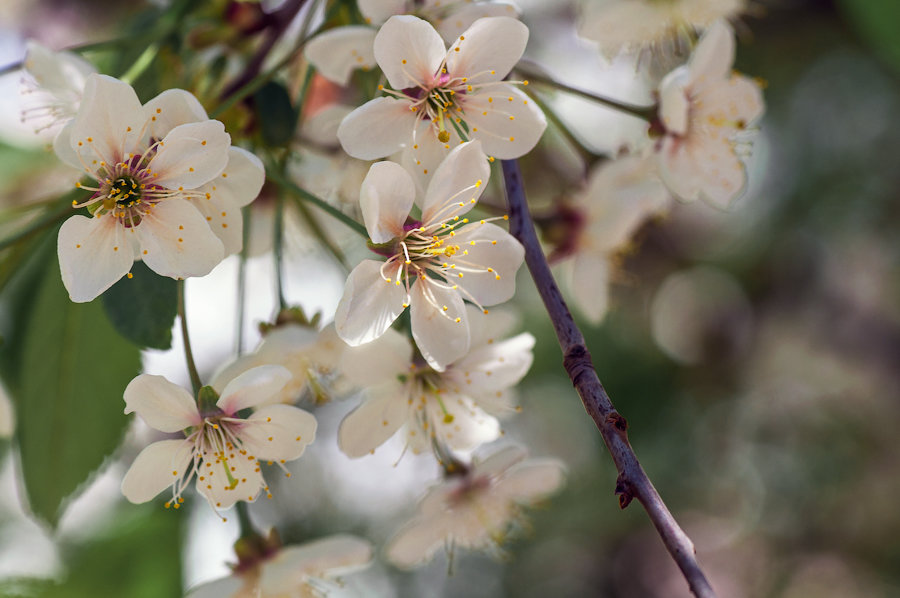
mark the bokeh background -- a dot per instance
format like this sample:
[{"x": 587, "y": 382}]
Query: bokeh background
[{"x": 754, "y": 352}]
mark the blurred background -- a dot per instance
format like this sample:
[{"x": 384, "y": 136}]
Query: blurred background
[{"x": 754, "y": 352}]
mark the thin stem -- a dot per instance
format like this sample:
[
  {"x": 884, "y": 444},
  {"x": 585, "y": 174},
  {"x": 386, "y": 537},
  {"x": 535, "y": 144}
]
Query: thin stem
[
  {"x": 278, "y": 248},
  {"x": 319, "y": 233},
  {"x": 647, "y": 113},
  {"x": 247, "y": 528},
  {"x": 140, "y": 65},
  {"x": 242, "y": 281},
  {"x": 586, "y": 154},
  {"x": 632, "y": 481},
  {"x": 188, "y": 354},
  {"x": 305, "y": 195}
]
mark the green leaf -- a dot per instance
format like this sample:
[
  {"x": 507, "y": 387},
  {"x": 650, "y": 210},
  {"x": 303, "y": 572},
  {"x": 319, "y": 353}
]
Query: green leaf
[
  {"x": 73, "y": 369},
  {"x": 143, "y": 308},
  {"x": 876, "y": 21},
  {"x": 277, "y": 116}
]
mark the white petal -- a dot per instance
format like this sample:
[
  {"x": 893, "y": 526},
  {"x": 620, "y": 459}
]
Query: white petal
[
  {"x": 456, "y": 23},
  {"x": 252, "y": 387},
  {"x": 161, "y": 404},
  {"x": 321, "y": 127},
  {"x": 383, "y": 359},
  {"x": 488, "y": 50},
  {"x": 224, "y": 219},
  {"x": 424, "y": 155},
  {"x": 377, "y": 12},
  {"x": 233, "y": 369},
  {"x": 337, "y": 52},
  {"x": 494, "y": 256},
  {"x": 418, "y": 541},
  {"x": 61, "y": 73},
  {"x": 678, "y": 169},
  {"x": 278, "y": 432},
  {"x": 326, "y": 557},
  {"x": 460, "y": 179},
  {"x": 191, "y": 155},
  {"x": 170, "y": 109},
  {"x": 674, "y": 101},
  {"x": 175, "y": 240},
  {"x": 589, "y": 282},
  {"x": 241, "y": 481},
  {"x": 62, "y": 146},
  {"x": 151, "y": 472},
  {"x": 409, "y": 51},
  {"x": 386, "y": 197},
  {"x": 93, "y": 254},
  {"x": 241, "y": 180},
  {"x": 378, "y": 418},
  {"x": 497, "y": 463},
  {"x": 724, "y": 177},
  {"x": 227, "y": 586},
  {"x": 108, "y": 122},
  {"x": 492, "y": 327},
  {"x": 377, "y": 129},
  {"x": 369, "y": 306},
  {"x": 460, "y": 424},
  {"x": 532, "y": 480},
  {"x": 7, "y": 415},
  {"x": 495, "y": 366},
  {"x": 439, "y": 323},
  {"x": 505, "y": 119},
  {"x": 713, "y": 56},
  {"x": 729, "y": 104}
]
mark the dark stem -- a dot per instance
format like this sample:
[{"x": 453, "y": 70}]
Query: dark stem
[
  {"x": 188, "y": 354},
  {"x": 632, "y": 481},
  {"x": 246, "y": 525},
  {"x": 242, "y": 281},
  {"x": 278, "y": 248}
]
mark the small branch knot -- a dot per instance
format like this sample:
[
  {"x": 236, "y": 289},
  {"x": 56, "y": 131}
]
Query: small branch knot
[
  {"x": 623, "y": 490},
  {"x": 577, "y": 362},
  {"x": 618, "y": 421}
]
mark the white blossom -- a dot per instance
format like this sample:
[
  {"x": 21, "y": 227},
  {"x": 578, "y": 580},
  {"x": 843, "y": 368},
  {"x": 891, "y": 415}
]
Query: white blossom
[
  {"x": 704, "y": 109},
  {"x": 221, "y": 449},
  {"x": 475, "y": 508},
  {"x": 433, "y": 263},
  {"x": 53, "y": 86}
]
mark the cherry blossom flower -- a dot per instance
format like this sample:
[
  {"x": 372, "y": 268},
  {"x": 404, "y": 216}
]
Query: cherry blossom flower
[
  {"x": 433, "y": 263},
  {"x": 221, "y": 449},
  {"x": 620, "y": 196},
  {"x": 298, "y": 571},
  {"x": 704, "y": 108},
  {"x": 476, "y": 507},
  {"x": 336, "y": 53},
  {"x": 636, "y": 25},
  {"x": 7, "y": 415},
  {"x": 455, "y": 408},
  {"x": 168, "y": 187},
  {"x": 440, "y": 97},
  {"x": 53, "y": 86}
]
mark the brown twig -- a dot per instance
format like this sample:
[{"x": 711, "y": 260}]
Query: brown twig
[{"x": 632, "y": 481}]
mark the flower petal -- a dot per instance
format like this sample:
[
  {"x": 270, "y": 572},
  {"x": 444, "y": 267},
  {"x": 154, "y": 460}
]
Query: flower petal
[
  {"x": 224, "y": 219},
  {"x": 713, "y": 56},
  {"x": 252, "y": 387},
  {"x": 175, "y": 240},
  {"x": 152, "y": 470},
  {"x": 63, "y": 74},
  {"x": 278, "y": 432},
  {"x": 382, "y": 360},
  {"x": 409, "y": 51},
  {"x": 495, "y": 366},
  {"x": 439, "y": 323},
  {"x": 487, "y": 50},
  {"x": 377, "y": 12},
  {"x": 62, "y": 146},
  {"x": 224, "y": 482},
  {"x": 369, "y": 306},
  {"x": 191, "y": 155},
  {"x": 417, "y": 542},
  {"x": 505, "y": 119},
  {"x": 226, "y": 586},
  {"x": 422, "y": 157},
  {"x": 489, "y": 257},
  {"x": 108, "y": 122},
  {"x": 460, "y": 179},
  {"x": 378, "y": 418},
  {"x": 161, "y": 404},
  {"x": 532, "y": 480},
  {"x": 459, "y": 423},
  {"x": 377, "y": 129},
  {"x": 170, "y": 109},
  {"x": 93, "y": 254},
  {"x": 321, "y": 127},
  {"x": 588, "y": 277},
  {"x": 326, "y": 557},
  {"x": 455, "y": 24},
  {"x": 386, "y": 197},
  {"x": 498, "y": 462},
  {"x": 337, "y": 52}
]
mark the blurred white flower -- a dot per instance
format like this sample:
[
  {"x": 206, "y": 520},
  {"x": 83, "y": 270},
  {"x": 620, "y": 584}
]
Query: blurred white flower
[
  {"x": 298, "y": 571},
  {"x": 636, "y": 25},
  {"x": 440, "y": 96},
  {"x": 704, "y": 108},
  {"x": 7, "y": 415},
  {"x": 454, "y": 408},
  {"x": 433, "y": 264},
  {"x": 621, "y": 195},
  {"x": 53, "y": 86},
  {"x": 221, "y": 448},
  {"x": 475, "y": 508},
  {"x": 167, "y": 193}
]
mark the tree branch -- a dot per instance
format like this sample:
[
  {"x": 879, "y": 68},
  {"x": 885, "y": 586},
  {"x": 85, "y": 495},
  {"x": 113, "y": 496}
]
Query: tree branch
[{"x": 632, "y": 481}]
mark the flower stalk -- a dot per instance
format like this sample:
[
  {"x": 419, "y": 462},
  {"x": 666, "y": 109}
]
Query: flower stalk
[{"x": 188, "y": 353}]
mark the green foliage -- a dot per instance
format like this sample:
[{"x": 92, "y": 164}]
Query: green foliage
[
  {"x": 66, "y": 368},
  {"x": 876, "y": 21},
  {"x": 143, "y": 308},
  {"x": 277, "y": 115}
]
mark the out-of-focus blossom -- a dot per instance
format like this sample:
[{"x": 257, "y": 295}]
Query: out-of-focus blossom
[
  {"x": 299, "y": 571},
  {"x": 454, "y": 408},
  {"x": 54, "y": 83},
  {"x": 169, "y": 187},
  {"x": 7, "y": 415},
  {"x": 621, "y": 195},
  {"x": 636, "y": 25},
  {"x": 432, "y": 265},
  {"x": 221, "y": 449},
  {"x": 476, "y": 508},
  {"x": 336, "y": 53},
  {"x": 442, "y": 97},
  {"x": 704, "y": 109}
]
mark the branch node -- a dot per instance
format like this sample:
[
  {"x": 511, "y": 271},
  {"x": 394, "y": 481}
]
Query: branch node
[
  {"x": 623, "y": 491},
  {"x": 618, "y": 421}
]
